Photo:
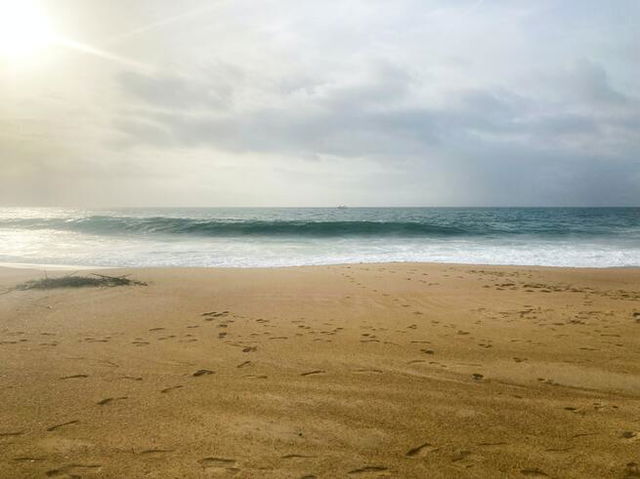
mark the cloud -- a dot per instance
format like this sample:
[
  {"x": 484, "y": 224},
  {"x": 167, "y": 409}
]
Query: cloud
[
  {"x": 382, "y": 115},
  {"x": 413, "y": 102}
]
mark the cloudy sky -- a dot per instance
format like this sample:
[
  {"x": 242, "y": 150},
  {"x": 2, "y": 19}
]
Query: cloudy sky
[{"x": 318, "y": 103}]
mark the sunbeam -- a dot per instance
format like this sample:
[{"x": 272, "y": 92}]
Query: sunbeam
[{"x": 84, "y": 48}]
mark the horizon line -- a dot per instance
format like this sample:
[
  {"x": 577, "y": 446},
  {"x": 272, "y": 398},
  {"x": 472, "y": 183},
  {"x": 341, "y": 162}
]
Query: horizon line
[{"x": 342, "y": 206}]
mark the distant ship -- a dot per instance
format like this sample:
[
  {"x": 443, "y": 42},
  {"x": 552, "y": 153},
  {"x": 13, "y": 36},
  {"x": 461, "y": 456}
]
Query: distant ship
[{"x": 342, "y": 207}]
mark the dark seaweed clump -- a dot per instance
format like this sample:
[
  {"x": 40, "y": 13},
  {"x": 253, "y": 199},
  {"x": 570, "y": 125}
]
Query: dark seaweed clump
[{"x": 72, "y": 281}]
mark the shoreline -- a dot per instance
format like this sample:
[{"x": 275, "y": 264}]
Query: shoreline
[
  {"x": 366, "y": 370},
  {"x": 54, "y": 267},
  {"x": 67, "y": 267}
]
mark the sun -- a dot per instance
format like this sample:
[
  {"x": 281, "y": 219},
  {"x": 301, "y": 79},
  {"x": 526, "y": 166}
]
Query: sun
[{"x": 25, "y": 29}]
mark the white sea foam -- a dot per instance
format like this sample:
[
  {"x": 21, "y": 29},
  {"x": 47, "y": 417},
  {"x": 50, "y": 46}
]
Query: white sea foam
[
  {"x": 518, "y": 237},
  {"x": 65, "y": 248}
]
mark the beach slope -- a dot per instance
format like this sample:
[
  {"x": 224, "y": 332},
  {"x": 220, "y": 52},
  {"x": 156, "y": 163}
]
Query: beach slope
[{"x": 353, "y": 371}]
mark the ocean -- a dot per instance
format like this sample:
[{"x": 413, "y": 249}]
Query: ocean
[{"x": 263, "y": 237}]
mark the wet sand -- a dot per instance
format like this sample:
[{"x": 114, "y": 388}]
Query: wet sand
[{"x": 355, "y": 371}]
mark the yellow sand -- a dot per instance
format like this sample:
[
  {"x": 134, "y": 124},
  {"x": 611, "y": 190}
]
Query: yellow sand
[{"x": 360, "y": 371}]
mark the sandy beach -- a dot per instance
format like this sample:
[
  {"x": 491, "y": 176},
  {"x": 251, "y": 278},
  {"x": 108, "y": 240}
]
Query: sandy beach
[{"x": 352, "y": 371}]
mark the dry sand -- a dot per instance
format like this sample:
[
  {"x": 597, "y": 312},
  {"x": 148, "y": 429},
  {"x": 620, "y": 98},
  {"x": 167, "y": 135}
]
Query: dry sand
[{"x": 360, "y": 371}]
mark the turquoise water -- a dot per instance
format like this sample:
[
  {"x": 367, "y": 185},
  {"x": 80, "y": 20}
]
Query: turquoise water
[{"x": 244, "y": 237}]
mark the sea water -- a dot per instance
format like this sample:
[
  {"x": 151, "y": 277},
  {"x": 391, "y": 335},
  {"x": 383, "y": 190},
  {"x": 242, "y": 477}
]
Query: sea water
[{"x": 261, "y": 237}]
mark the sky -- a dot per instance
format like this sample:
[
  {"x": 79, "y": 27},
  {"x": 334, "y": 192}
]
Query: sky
[{"x": 320, "y": 103}]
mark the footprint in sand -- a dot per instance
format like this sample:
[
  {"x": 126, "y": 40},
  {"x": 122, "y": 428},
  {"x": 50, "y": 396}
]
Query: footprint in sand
[
  {"x": 75, "y": 376},
  {"x": 171, "y": 388},
  {"x": 155, "y": 451},
  {"x": 487, "y": 444},
  {"x": 28, "y": 459},
  {"x": 202, "y": 372},
  {"x": 73, "y": 471},
  {"x": 533, "y": 472},
  {"x": 421, "y": 450},
  {"x": 110, "y": 400},
  {"x": 68, "y": 423},
  {"x": 630, "y": 436},
  {"x": 574, "y": 410},
  {"x": 211, "y": 315},
  {"x": 368, "y": 469},
  {"x": 461, "y": 455},
  {"x": 219, "y": 465}
]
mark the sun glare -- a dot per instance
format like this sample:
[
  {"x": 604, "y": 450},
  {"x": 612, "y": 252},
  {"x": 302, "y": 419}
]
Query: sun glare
[{"x": 25, "y": 30}]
